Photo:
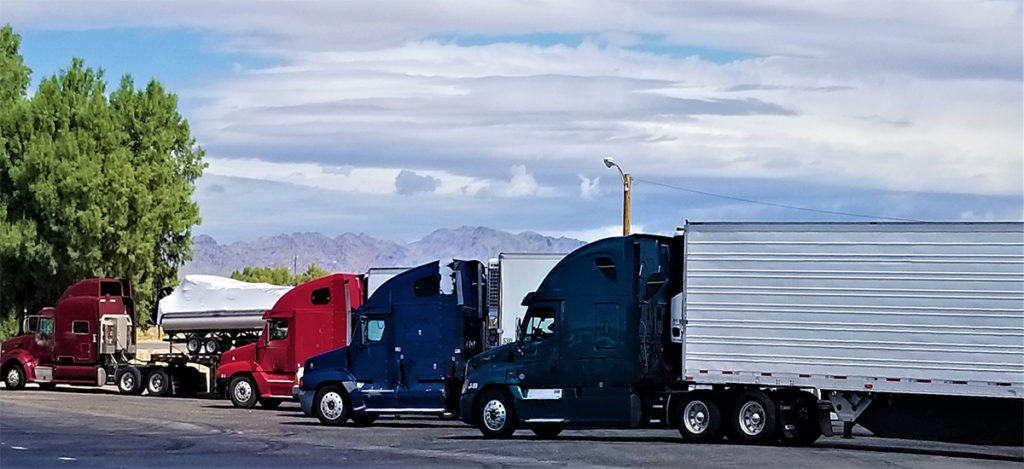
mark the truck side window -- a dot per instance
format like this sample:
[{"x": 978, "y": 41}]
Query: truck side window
[
  {"x": 540, "y": 324},
  {"x": 373, "y": 330},
  {"x": 278, "y": 329},
  {"x": 80, "y": 327},
  {"x": 321, "y": 296},
  {"x": 46, "y": 326}
]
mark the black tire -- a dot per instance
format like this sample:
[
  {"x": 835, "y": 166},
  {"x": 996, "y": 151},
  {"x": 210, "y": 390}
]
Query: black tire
[
  {"x": 193, "y": 344},
  {"x": 546, "y": 431},
  {"x": 243, "y": 392},
  {"x": 331, "y": 405},
  {"x": 128, "y": 380},
  {"x": 496, "y": 414},
  {"x": 363, "y": 419},
  {"x": 47, "y": 386},
  {"x": 14, "y": 376},
  {"x": 211, "y": 345},
  {"x": 698, "y": 417},
  {"x": 753, "y": 418},
  {"x": 270, "y": 403},
  {"x": 158, "y": 382},
  {"x": 803, "y": 419}
]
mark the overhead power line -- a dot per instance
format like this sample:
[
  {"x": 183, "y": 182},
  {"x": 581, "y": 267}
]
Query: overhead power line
[{"x": 770, "y": 204}]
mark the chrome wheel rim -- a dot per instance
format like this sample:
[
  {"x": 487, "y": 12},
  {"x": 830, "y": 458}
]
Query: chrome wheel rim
[
  {"x": 751, "y": 418},
  {"x": 332, "y": 405},
  {"x": 494, "y": 415},
  {"x": 243, "y": 391},
  {"x": 156, "y": 383},
  {"x": 127, "y": 381},
  {"x": 696, "y": 417},
  {"x": 13, "y": 377}
]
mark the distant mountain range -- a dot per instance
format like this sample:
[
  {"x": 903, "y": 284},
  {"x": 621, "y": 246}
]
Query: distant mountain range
[{"x": 358, "y": 252}]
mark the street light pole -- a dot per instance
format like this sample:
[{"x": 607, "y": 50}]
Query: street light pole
[
  {"x": 627, "y": 202},
  {"x": 627, "y": 190}
]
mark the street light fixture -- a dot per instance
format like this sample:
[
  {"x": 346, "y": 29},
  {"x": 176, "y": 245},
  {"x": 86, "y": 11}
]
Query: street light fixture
[{"x": 627, "y": 184}]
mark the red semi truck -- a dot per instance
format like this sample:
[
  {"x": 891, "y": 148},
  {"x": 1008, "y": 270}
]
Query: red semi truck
[
  {"x": 310, "y": 319},
  {"x": 88, "y": 338}
]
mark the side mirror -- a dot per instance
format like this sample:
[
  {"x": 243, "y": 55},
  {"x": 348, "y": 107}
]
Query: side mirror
[
  {"x": 519, "y": 329},
  {"x": 26, "y": 326}
]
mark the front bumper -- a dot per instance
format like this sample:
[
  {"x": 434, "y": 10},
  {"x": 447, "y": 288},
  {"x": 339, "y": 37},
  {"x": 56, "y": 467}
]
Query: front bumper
[
  {"x": 466, "y": 407},
  {"x": 305, "y": 400}
]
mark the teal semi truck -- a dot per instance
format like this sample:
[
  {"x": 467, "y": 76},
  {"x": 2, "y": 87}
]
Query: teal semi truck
[{"x": 759, "y": 332}]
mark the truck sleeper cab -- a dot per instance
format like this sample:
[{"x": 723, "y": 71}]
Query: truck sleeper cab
[
  {"x": 410, "y": 343},
  {"x": 588, "y": 352},
  {"x": 311, "y": 318}
]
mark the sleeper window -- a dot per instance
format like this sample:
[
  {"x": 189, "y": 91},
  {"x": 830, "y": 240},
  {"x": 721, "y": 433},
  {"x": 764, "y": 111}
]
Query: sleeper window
[{"x": 80, "y": 327}]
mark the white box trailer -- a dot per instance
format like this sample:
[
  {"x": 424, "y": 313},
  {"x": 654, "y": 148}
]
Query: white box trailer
[
  {"x": 855, "y": 311},
  {"x": 510, "y": 277}
]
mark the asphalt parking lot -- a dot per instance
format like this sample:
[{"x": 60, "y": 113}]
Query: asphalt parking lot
[{"x": 80, "y": 427}]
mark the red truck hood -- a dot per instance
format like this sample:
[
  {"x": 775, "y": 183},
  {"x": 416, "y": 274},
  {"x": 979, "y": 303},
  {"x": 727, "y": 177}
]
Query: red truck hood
[
  {"x": 245, "y": 353},
  {"x": 21, "y": 341}
]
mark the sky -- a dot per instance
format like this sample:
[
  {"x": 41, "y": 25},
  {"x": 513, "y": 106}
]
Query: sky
[{"x": 397, "y": 118}]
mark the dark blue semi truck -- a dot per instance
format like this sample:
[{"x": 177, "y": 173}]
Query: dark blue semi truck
[
  {"x": 590, "y": 352},
  {"x": 410, "y": 343}
]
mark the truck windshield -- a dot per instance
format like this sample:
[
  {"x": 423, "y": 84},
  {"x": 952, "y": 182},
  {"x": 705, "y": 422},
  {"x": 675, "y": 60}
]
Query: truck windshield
[
  {"x": 46, "y": 326},
  {"x": 540, "y": 323}
]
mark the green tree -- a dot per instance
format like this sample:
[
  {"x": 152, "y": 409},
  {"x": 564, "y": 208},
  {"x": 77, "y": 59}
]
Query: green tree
[
  {"x": 279, "y": 275},
  {"x": 90, "y": 186}
]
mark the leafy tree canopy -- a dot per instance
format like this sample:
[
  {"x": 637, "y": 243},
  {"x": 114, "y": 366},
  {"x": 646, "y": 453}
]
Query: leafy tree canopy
[
  {"x": 279, "y": 275},
  {"x": 91, "y": 184}
]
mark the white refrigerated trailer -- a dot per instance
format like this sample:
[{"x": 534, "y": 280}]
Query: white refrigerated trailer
[
  {"x": 511, "y": 276},
  {"x": 910, "y": 329}
]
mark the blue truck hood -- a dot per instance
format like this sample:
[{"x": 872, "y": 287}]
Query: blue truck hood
[{"x": 331, "y": 360}]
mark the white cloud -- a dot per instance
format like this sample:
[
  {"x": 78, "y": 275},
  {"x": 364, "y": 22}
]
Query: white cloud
[
  {"x": 521, "y": 183},
  {"x": 911, "y": 96},
  {"x": 588, "y": 186}
]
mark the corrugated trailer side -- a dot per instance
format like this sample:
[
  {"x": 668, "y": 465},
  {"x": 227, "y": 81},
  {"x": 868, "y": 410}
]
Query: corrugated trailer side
[{"x": 918, "y": 308}]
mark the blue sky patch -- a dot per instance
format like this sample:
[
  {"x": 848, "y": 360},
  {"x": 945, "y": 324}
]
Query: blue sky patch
[
  {"x": 177, "y": 58},
  {"x": 648, "y": 43}
]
